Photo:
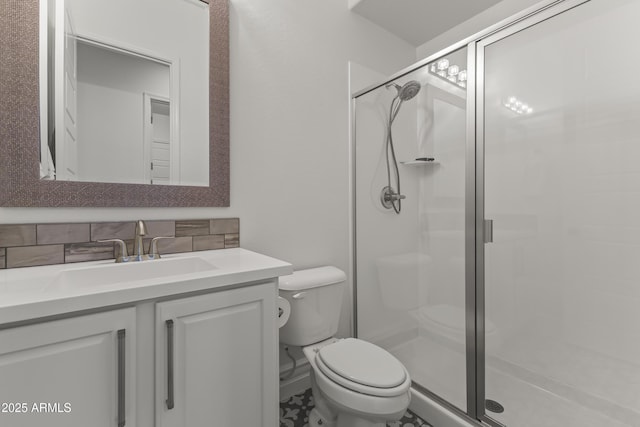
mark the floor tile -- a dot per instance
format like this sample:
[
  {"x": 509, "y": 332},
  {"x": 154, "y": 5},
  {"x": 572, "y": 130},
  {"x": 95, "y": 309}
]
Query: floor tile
[{"x": 294, "y": 412}]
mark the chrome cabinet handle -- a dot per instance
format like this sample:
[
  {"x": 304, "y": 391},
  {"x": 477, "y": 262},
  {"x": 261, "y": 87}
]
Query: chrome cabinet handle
[
  {"x": 170, "y": 402},
  {"x": 121, "y": 378}
]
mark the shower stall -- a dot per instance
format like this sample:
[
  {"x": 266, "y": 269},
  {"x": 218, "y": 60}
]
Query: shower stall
[{"x": 508, "y": 283}]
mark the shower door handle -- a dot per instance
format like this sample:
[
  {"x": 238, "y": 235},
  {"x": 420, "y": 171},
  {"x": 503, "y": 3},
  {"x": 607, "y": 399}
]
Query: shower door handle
[{"x": 488, "y": 231}]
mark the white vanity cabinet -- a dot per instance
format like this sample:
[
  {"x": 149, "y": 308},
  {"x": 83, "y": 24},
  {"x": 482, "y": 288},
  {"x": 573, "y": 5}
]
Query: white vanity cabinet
[
  {"x": 78, "y": 371},
  {"x": 216, "y": 359},
  {"x": 110, "y": 345}
]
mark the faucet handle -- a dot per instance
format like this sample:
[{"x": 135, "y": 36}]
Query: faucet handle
[
  {"x": 141, "y": 228},
  {"x": 124, "y": 255},
  {"x": 153, "y": 247}
]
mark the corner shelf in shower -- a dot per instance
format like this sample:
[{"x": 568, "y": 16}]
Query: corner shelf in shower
[{"x": 419, "y": 162}]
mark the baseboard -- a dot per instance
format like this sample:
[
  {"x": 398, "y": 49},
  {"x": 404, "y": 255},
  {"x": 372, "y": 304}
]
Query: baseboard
[{"x": 298, "y": 383}]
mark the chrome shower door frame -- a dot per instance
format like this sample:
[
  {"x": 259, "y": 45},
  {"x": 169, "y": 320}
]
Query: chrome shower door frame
[
  {"x": 475, "y": 213},
  {"x": 474, "y": 197}
]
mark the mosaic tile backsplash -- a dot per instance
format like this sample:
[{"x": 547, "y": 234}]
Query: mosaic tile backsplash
[{"x": 30, "y": 245}]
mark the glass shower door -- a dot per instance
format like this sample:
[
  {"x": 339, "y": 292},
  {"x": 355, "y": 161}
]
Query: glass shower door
[
  {"x": 410, "y": 263},
  {"x": 560, "y": 130}
]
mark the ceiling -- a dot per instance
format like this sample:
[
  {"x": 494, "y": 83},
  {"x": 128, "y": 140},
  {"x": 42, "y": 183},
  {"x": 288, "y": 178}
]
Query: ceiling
[{"x": 418, "y": 21}]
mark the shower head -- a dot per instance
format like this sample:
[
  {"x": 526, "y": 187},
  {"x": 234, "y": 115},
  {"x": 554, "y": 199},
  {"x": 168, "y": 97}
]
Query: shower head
[{"x": 407, "y": 91}]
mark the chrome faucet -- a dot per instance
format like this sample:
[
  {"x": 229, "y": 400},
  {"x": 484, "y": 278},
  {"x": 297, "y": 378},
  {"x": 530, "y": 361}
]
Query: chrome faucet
[{"x": 138, "y": 244}]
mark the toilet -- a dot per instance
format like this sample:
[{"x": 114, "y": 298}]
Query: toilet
[{"x": 354, "y": 383}]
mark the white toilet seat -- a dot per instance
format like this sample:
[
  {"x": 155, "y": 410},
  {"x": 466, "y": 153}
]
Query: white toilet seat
[
  {"x": 387, "y": 408},
  {"x": 363, "y": 367}
]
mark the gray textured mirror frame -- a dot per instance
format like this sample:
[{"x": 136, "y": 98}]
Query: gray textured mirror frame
[{"x": 20, "y": 183}]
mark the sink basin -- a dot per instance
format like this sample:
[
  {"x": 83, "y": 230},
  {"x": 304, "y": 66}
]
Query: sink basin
[{"x": 130, "y": 272}]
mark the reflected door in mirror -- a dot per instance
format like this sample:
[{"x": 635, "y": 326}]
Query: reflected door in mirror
[{"x": 127, "y": 93}]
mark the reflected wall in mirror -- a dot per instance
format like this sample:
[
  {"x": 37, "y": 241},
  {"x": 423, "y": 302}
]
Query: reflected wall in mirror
[
  {"x": 20, "y": 120},
  {"x": 125, "y": 96}
]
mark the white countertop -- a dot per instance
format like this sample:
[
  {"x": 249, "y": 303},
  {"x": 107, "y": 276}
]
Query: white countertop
[{"x": 35, "y": 292}]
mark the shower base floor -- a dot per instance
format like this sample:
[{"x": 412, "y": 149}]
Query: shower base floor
[{"x": 570, "y": 393}]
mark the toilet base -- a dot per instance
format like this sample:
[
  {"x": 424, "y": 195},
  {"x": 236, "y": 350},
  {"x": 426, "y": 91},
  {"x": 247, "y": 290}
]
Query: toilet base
[
  {"x": 343, "y": 420},
  {"x": 334, "y": 415},
  {"x": 317, "y": 420},
  {"x": 349, "y": 420}
]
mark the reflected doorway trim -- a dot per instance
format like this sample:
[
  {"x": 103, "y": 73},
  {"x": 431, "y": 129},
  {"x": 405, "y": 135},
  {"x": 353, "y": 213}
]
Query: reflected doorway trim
[
  {"x": 174, "y": 144},
  {"x": 478, "y": 288},
  {"x": 127, "y": 50}
]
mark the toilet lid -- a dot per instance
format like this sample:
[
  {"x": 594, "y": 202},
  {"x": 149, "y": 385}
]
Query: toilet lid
[{"x": 363, "y": 363}]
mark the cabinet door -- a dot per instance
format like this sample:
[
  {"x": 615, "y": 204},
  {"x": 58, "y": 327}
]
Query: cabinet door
[
  {"x": 74, "y": 372},
  {"x": 223, "y": 370}
]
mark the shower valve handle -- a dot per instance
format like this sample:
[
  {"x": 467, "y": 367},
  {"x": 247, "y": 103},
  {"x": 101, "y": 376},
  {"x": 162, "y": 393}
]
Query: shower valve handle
[
  {"x": 388, "y": 197},
  {"x": 394, "y": 197}
]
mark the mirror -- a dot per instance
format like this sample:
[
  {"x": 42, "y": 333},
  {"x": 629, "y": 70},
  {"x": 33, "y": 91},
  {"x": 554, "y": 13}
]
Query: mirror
[
  {"x": 126, "y": 97},
  {"x": 22, "y": 82}
]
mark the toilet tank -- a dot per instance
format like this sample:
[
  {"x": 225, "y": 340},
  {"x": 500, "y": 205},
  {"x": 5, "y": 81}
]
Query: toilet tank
[{"x": 315, "y": 296}]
